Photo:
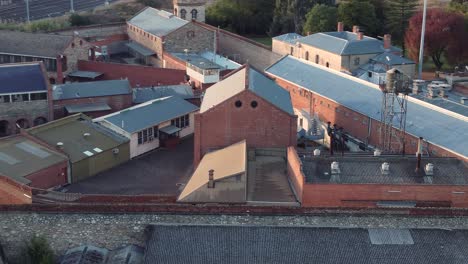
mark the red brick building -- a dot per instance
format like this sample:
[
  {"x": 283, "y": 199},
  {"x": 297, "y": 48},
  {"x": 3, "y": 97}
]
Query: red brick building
[
  {"x": 246, "y": 105},
  {"x": 359, "y": 181},
  {"x": 355, "y": 105},
  {"x": 28, "y": 161},
  {"x": 92, "y": 98}
]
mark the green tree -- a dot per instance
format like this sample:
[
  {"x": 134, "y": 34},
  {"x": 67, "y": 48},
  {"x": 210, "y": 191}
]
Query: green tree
[
  {"x": 398, "y": 14},
  {"x": 79, "y": 20},
  {"x": 321, "y": 18},
  {"x": 38, "y": 251},
  {"x": 361, "y": 13}
]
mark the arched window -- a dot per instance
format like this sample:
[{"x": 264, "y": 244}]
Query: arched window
[
  {"x": 39, "y": 121},
  {"x": 317, "y": 58},
  {"x": 4, "y": 128},
  {"x": 23, "y": 123},
  {"x": 183, "y": 13},
  {"x": 194, "y": 13},
  {"x": 307, "y": 55}
]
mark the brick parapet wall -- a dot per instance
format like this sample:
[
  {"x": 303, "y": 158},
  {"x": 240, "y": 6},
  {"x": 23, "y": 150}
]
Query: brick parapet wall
[
  {"x": 116, "y": 103},
  {"x": 296, "y": 177},
  {"x": 172, "y": 62},
  {"x": 137, "y": 75},
  {"x": 14, "y": 193}
]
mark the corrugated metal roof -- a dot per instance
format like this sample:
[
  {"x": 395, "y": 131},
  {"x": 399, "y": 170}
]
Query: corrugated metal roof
[
  {"x": 85, "y": 74},
  {"x": 157, "y": 22},
  {"x": 83, "y": 108},
  {"x": 258, "y": 84},
  {"x": 442, "y": 129},
  {"x": 20, "y": 78},
  {"x": 91, "y": 89},
  {"x": 226, "y": 162},
  {"x": 149, "y": 114},
  {"x": 389, "y": 58},
  {"x": 291, "y": 38},
  {"x": 390, "y": 236},
  {"x": 224, "y": 62},
  {"x": 197, "y": 60},
  {"x": 344, "y": 43},
  {"x": 145, "y": 94},
  {"x": 169, "y": 129},
  {"x": 140, "y": 49},
  {"x": 33, "y": 44}
]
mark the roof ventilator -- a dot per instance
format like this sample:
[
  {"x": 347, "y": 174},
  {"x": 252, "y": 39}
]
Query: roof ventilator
[
  {"x": 316, "y": 152},
  {"x": 429, "y": 169},
  {"x": 211, "y": 179},
  {"x": 59, "y": 145},
  {"x": 335, "y": 167},
  {"x": 385, "y": 168},
  {"x": 86, "y": 135}
]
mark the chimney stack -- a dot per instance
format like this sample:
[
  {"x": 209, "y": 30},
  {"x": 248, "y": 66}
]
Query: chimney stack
[
  {"x": 360, "y": 35},
  {"x": 355, "y": 29},
  {"x": 340, "y": 27},
  {"x": 387, "y": 41},
  {"x": 211, "y": 179}
]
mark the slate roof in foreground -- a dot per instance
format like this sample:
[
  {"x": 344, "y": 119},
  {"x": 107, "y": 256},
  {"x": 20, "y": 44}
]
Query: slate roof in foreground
[{"x": 271, "y": 244}]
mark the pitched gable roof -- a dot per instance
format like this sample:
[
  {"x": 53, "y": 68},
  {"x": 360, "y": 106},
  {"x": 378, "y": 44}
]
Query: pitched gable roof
[
  {"x": 157, "y": 22},
  {"x": 22, "y": 77},
  {"x": 247, "y": 78},
  {"x": 33, "y": 44}
]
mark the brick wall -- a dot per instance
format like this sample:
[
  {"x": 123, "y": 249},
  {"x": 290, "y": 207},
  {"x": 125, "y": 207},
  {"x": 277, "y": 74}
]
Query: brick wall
[
  {"x": 12, "y": 192},
  {"x": 296, "y": 177},
  {"x": 191, "y": 36},
  {"x": 225, "y": 124},
  {"x": 366, "y": 195},
  {"x": 172, "y": 62},
  {"x": 52, "y": 176},
  {"x": 136, "y": 74},
  {"x": 116, "y": 102},
  {"x": 14, "y": 111},
  {"x": 358, "y": 125},
  {"x": 146, "y": 39},
  {"x": 110, "y": 39}
]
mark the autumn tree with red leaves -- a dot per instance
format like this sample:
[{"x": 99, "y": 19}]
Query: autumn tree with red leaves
[{"x": 445, "y": 35}]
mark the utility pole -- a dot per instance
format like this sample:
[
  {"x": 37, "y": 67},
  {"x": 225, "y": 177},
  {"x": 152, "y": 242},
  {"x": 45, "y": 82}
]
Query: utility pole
[
  {"x": 72, "y": 9},
  {"x": 421, "y": 46},
  {"x": 27, "y": 11}
]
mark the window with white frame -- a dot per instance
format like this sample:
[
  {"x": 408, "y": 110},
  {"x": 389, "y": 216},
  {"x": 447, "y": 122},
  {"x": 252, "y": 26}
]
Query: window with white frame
[
  {"x": 148, "y": 135},
  {"x": 181, "y": 122}
]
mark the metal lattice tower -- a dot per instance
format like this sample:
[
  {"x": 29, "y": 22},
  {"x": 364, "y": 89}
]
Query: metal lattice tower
[{"x": 393, "y": 113}]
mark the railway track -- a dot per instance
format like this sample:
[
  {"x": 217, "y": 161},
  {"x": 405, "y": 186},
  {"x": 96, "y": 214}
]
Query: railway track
[{"x": 39, "y": 9}]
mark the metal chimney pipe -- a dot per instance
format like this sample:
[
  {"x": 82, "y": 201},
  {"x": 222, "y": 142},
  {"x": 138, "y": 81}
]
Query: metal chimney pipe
[
  {"x": 418, "y": 164},
  {"x": 211, "y": 178}
]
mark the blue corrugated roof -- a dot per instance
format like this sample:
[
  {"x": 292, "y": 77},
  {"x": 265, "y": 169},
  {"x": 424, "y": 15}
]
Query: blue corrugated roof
[
  {"x": 344, "y": 43},
  {"x": 270, "y": 91},
  {"x": 291, "y": 38},
  {"x": 151, "y": 113},
  {"x": 91, "y": 89},
  {"x": 141, "y": 95},
  {"x": 20, "y": 78},
  {"x": 445, "y": 130},
  {"x": 389, "y": 58},
  {"x": 144, "y": 51}
]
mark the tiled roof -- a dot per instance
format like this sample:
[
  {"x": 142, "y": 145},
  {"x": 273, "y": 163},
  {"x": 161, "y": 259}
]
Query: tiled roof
[
  {"x": 157, "y": 22},
  {"x": 18, "y": 78},
  {"x": 344, "y": 43},
  {"x": 91, "y": 89},
  {"x": 257, "y": 83},
  {"x": 293, "y": 245},
  {"x": 33, "y": 44},
  {"x": 440, "y": 128},
  {"x": 149, "y": 114}
]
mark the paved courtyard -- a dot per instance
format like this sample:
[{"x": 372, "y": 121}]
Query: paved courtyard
[{"x": 157, "y": 172}]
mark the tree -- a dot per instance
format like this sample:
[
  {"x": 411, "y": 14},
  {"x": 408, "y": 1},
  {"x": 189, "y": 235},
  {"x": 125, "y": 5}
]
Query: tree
[
  {"x": 37, "y": 251},
  {"x": 361, "y": 13},
  {"x": 321, "y": 18},
  {"x": 79, "y": 20},
  {"x": 445, "y": 36},
  {"x": 398, "y": 14}
]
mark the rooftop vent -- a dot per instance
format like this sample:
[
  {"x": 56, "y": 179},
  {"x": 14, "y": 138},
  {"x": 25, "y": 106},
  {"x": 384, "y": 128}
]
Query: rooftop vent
[
  {"x": 59, "y": 145},
  {"x": 86, "y": 135},
  {"x": 429, "y": 169},
  {"x": 377, "y": 153},
  {"x": 211, "y": 179},
  {"x": 385, "y": 168},
  {"x": 463, "y": 100},
  {"x": 335, "y": 167},
  {"x": 316, "y": 152}
]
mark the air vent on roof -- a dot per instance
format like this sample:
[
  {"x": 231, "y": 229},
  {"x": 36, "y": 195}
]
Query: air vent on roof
[
  {"x": 115, "y": 151},
  {"x": 377, "y": 152},
  {"x": 385, "y": 168},
  {"x": 59, "y": 145},
  {"x": 316, "y": 152},
  {"x": 335, "y": 167},
  {"x": 86, "y": 135},
  {"x": 429, "y": 169}
]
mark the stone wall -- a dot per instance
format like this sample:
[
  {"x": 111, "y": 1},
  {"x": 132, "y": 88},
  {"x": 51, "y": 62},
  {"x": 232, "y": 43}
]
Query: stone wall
[
  {"x": 113, "y": 230},
  {"x": 192, "y": 37},
  {"x": 14, "y": 111},
  {"x": 95, "y": 31}
]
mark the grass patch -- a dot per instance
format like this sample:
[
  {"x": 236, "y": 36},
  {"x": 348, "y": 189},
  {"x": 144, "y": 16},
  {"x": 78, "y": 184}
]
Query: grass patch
[{"x": 262, "y": 40}]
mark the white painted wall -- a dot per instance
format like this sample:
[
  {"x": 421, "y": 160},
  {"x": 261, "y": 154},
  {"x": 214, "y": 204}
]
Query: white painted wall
[{"x": 136, "y": 150}]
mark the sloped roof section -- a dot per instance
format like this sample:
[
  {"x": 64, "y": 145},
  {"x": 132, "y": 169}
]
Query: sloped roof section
[
  {"x": 391, "y": 59},
  {"x": 157, "y": 22},
  {"x": 345, "y": 43},
  {"x": 91, "y": 89},
  {"x": 145, "y": 94},
  {"x": 33, "y": 44},
  {"x": 225, "y": 162},
  {"x": 441, "y": 128},
  {"x": 253, "y": 80},
  {"x": 18, "y": 78},
  {"x": 291, "y": 38},
  {"x": 148, "y": 114}
]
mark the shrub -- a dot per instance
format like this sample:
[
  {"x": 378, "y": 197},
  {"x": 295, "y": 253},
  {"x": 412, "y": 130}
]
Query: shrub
[{"x": 38, "y": 251}]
